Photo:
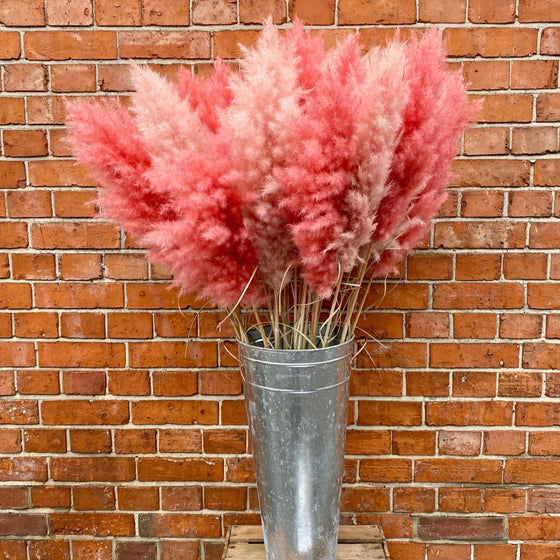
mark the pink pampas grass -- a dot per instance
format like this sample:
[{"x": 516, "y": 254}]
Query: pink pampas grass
[{"x": 285, "y": 184}]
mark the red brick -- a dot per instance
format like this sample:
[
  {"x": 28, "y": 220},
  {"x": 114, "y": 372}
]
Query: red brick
[
  {"x": 80, "y": 266},
  {"x": 45, "y": 109},
  {"x": 13, "y": 498},
  {"x": 531, "y": 471},
  {"x": 166, "y": 12},
  {"x": 10, "y": 47},
  {"x": 351, "y": 12},
  {"x": 480, "y": 266},
  {"x": 17, "y": 354},
  {"x": 538, "y": 10},
  {"x": 534, "y": 204},
  {"x": 135, "y": 441},
  {"x": 233, "y": 413},
  {"x": 256, "y": 11},
  {"x": 36, "y": 325},
  {"x": 413, "y": 500},
  {"x": 84, "y": 412},
  {"x": 126, "y": 266},
  {"x": 129, "y": 382},
  {"x": 547, "y": 173},
  {"x": 473, "y": 413},
  {"x": 486, "y": 471},
  {"x": 12, "y": 14},
  {"x": 501, "y": 108},
  {"x": 313, "y": 12},
  {"x": 90, "y": 441},
  {"x": 421, "y": 266},
  {"x": 503, "y": 500},
  {"x": 487, "y": 12},
  {"x": 111, "y": 12},
  {"x": 427, "y": 325},
  {"x": 93, "y": 469},
  {"x": 70, "y": 45},
  {"x": 74, "y": 236},
  {"x": 38, "y": 382},
  {"x": 385, "y": 470},
  {"x": 97, "y": 524},
  {"x": 93, "y": 498},
  {"x": 393, "y": 354},
  {"x": 459, "y": 443},
  {"x": 227, "y": 42},
  {"x": 504, "y": 443},
  {"x": 491, "y": 41},
  {"x": 180, "y": 441},
  {"x": 129, "y": 325},
  {"x": 493, "y": 551},
  {"x": 474, "y": 325},
  {"x": 520, "y": 325},
  {"x": 13, "y": 235},
  {"x": 537, "y": 413},
  {"x": 23, "y": 468},
  {"x": 83, "y": 382},
  {"x": 172, "y": 354},
  {"x": 174, "y": 412},
  {"x": 82, "y": 325},
  {"x": 541, "y": 355},
  {"x": 474, "y": 384},
  {"x": 188, "y": 469},
  {"x": 174, "y": 325},
  {"x": 136, "y": 550},
  {"x": 44, "y": 441},
  {"x": 548, "y": 107},
  {"x": 482, "y": 204},
  {"x": 550, "y": 40},
  {"x": 70, "y": 78},
  {"x": 138, "y": 499},
  {"x": 381, "y": 325},
  {"x": 479, "y": 235},
  {"x": 544, "y": 443},
  {"x": 478, "y": 296},
  {"x": 220, "y": 382},
  {"x": 74, "y": 204},
  {"x": 92, "y": 549},
  {"x": 180, "y": 525},
  {"x": 520, "y": 384},
  {"x": 177, "y": 383},
  {"x": 534, "y": 140},
  {"x": 12, "y": 111},
  {"x": 33, "y": 266},
  {"x": 22, "y": 524},
  {"x": 25, "y": 143},
  {"x": 461, "y": 528},
  {"x": 451, "y": 11},
  {"x": 78, "y": 295},
  {"x": 543, "y": 296},
  {"x": 368, "y": 442},
  {"x": 219, "y": 12},
  {"x": 405, "y": 442},
  {"x": 427, "y": 383},
  {"x": 221, "y": 442},
  {"x": 51, "y": 496},
  {"x": 164, "y": 44},
  {"x": 389, "y": 413},
  {"x": 539, "y": 551},
  {"x": 10, "y": 440},
  {"x": 170, "y": 550},
  {"x": 543, "y": 500},
  {"x": 29, "y": 204},
  {"x": 155, "y": 296},
  {"x": 534, "y": 74},
  {"x": 486, "y": 141},
  {"x": 479, "y": 355},
  {"x": 534, "y": 527},
  {"x": 62, "y": 12},
  {"x": 26, "y": 77},
  {"x": 182, "y": 498}
]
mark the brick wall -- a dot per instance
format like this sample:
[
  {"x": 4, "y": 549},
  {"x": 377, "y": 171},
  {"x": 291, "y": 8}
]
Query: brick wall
[{"x": 115, "y": 443}]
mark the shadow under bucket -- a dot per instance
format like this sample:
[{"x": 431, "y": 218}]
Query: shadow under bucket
[{"x": 297, "y": 405}]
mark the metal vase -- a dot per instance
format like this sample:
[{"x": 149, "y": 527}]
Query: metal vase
[{"x": 297, "y": 403}]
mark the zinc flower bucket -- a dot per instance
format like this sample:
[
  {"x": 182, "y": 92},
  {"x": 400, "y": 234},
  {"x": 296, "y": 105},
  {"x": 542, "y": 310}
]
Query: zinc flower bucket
[{"x": 297, "y": 404}]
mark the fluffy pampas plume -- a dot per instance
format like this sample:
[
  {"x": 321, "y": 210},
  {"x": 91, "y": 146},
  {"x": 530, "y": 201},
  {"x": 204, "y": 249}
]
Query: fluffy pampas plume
[{"x": 277, "y": 191}]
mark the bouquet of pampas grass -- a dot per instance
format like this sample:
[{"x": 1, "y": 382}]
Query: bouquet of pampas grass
[{"x": 280, "y": 191}]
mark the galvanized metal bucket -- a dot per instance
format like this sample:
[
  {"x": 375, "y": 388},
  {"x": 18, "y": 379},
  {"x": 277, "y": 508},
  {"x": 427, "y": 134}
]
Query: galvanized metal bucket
[{"x": 297, "y": 403}]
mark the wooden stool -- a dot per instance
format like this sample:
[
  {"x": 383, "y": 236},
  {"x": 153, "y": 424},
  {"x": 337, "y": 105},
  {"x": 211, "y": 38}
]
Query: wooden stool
[{"x": 355, "y": 542}]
